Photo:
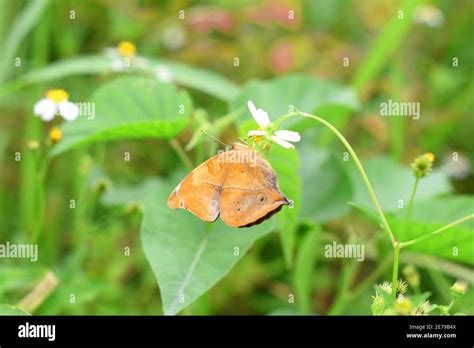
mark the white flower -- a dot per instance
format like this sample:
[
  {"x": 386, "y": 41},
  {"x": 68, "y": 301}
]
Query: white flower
[
  {"x": 123, "y": 56},
  {"x": 56, "y": 101},
  {"x": 163, "y": 73},
  {"x": 117, "y": 64},
  {"x": 260, "y": 116},
  {"x": 429, "y": 15},
  {"x": 281, "y": 137}
]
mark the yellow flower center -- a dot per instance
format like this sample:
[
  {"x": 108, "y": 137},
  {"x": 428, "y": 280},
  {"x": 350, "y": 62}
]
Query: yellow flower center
[
  {"x": 126, "y": 49},
  {"x": 55, "y": 134},
  {"x": 430, "y": 156},
  {"x": 57, "y": 95}
]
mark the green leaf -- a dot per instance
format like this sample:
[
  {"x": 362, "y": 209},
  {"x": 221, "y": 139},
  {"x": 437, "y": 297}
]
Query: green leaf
[
  {"x": 188, "y": 256},
  {"x": 418, "y": 299},
  {"x": 456, "y": 243},
  {"x": 368, "y": 212},
  {"x": 307, "y": 255},
  {"x": 129, "y": 195},
  {"x": 130, "y": 108},
  {"x": 327, "y": 186},
  {"x": 393, "y": 182},
  {"x": 6, "y": 309},
  {"x": 302, "y": 92},
  {"x": 82, "y": 65},
  {"x": 16, "y": 278},
  {"x": 286, "y": 164},
  {"x": 202, "y": 80},
  {"x": 22, "y": 24}
]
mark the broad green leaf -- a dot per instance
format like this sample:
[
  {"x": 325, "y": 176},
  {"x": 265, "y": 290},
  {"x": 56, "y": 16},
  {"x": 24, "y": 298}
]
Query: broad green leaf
[
  {"x": 188, "y": 256},
  {"x": 304, "y": 268},
  {"x": 6, "y": 309},
  {"x": 130, "y": 108},
  {"x": 302, "y": 92},
  {"x": 456, "y": 243},
  {"x": 129, "y": 195},
  {"x": 286, "y": 164},
  {"x": 188, "y": 76},
  {"x": 327, "y": 186},
  {"x": 393, "y": 182}
]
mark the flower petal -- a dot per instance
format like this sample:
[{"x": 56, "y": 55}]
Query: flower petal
[
  {"x": 282, "y": 142},
  {"x": 260, "y": 116},
  {"x": 288, "y": 135},
  {"x": 69, "y": 111},
  {"x": 163, "y": 73},
  {"x": 111, "y": 52},
  {"x": 46, "y": 109},
  {"x": 117, "y": 65},
  {"x": 264, "y": 119},
  {"x": 253, "y": 133}
]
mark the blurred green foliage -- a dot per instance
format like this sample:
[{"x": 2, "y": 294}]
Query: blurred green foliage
[{"x": 108, "y": 249}]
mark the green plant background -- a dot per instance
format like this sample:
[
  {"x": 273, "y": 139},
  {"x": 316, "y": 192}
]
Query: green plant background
[{"x": 120, "y": 250}]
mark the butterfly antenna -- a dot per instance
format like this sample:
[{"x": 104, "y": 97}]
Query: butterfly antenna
[
  {"x": 244, "y": 140},
  {"x": 215, "y": 138}
]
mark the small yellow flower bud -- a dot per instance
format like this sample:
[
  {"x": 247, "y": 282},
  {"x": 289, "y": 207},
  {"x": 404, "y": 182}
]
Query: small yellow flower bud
[
  {"x": 422, "y": 309},
  {"x": 402, "y": 287},
  {"x": 430, "y": 156},
  {"x": 57, "y": 95},
  {"x": 378, "y": 305},
  {"x": 403, "y": 306},
  {"x": 423, "y": 164},
  {"x": 387, "y": 287},
  {"x": 126, "y": 49},
  {"x": 55, "y": 134},
  {"x": 458, "y": 289}
]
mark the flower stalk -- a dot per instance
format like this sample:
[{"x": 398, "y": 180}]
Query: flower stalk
[
  {"x": 357, "y": 163},
  {"x": 421, "y": 167}
]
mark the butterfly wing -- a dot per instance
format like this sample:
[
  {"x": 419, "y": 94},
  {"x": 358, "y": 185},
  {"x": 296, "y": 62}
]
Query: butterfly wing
[
  {"x": 200, "y": 191},
  {"x": 250, "y": 192}
]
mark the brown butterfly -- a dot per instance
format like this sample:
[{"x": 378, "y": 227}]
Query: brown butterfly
[{"x": 239, "y": 184}]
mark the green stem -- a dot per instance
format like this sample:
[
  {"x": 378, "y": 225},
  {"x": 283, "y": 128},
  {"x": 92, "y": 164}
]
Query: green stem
[
  {"x": 40, "y": 212},
  {"x": 349, "y": 270},
  {"x": 357, "y": 163},
  {"x": 41, "y": 169},
  {"x": 182, "y": 154},
  {"x": 410, "y": 205},
  {"x": 435, "y": 232},
  {"x": 28, "y": 175},
  {"x": 396, "y": 258}
]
